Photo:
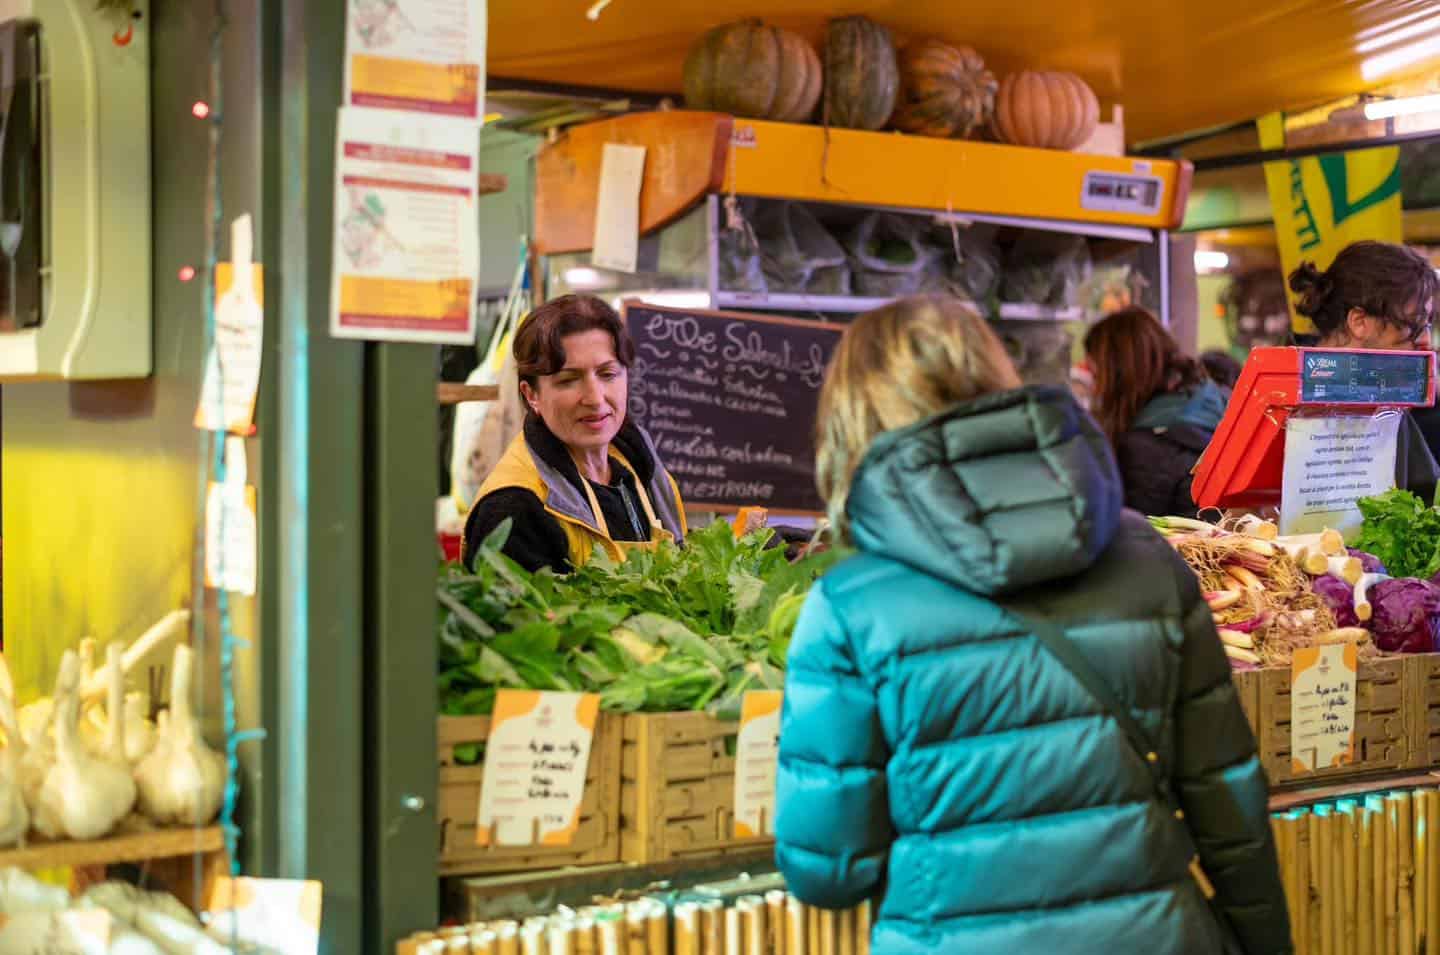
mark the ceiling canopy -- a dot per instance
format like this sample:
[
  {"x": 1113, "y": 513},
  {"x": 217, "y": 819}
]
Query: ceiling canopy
[{"x": 1175, "y": 65}]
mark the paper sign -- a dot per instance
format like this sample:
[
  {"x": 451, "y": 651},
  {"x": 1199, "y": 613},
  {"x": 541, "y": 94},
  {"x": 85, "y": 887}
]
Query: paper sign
[
  {"x": 280, "y": 916},
  {"x": 535, "y": 762},
  {"x": 232, "y": 369},
  {"x": 231, "y": 536},
  {"x": 406, "y": 255},
  {"x": 1330, "y": 464},
  {"x": 757, "y": 751},
  {"x": 425, "y": 56},
  {"x": 1322, "y": 706},
  {"x": 617, "y": 209}
]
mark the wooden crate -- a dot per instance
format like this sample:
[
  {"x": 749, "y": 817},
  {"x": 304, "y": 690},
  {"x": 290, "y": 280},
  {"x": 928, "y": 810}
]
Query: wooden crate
[
  {"x": 1427, "y": 681},
  {"x": 596, "y": 841},
  {"x": 1247, "y": 687},
  {"x": 1386, "y": 723},
  {"x": 677, "y": 788}
]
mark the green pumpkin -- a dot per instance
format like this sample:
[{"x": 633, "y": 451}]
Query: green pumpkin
[
  {"x": 862, "y": 79},
  {"x": 750, "y": 69}
]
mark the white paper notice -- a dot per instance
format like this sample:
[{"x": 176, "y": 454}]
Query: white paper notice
[
  {"x": 617, "y": 209},
  {"x": 1330, "y": 463},
  {"x": 232, "y": 369},
  {"x": 536, "y": 757},
  {"x": 757, "y": 750},
  {"x": 424, "y": 56},
  {"x": 280, "y": 916},
  {"x": 231, "y": 536},
  {"x": 1322, "y": 706},
  {"x": 407, "y": 241}
]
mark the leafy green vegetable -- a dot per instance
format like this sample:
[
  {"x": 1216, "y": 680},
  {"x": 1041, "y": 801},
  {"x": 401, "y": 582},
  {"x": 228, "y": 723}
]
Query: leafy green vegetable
[
  {"x": 673, "y": 628},
  {"x": 1401, "y": 531}
]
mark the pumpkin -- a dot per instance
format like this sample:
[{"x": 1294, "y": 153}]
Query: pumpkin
[
  {"x": 1050, "y": 110},
  {"x": 862, "y": 79},
  {"x": 750, "y": 69},
  {"x": 944, "y": 90}
]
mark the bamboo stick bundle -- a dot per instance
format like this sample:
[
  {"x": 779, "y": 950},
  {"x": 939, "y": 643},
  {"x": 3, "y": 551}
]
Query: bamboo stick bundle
[
  {"x": 796, "y": 920},
  {"x": 1349, "y": 884},
  {"x": 734, "y": 932},
  {"x": 1322, "y": 938},
  {"x": 1365, "y": 884},
  {"x": 1302, "y": 882},
  {"x": 1375, "y": 807},
  {"x": 862, "y": 927},
  {"x": 829, "y": 925},
  {"x": 847, "y": 932},
  {"x": 712, "y": 927},
  {"x": 775, "y": 921},
  {"x": 1431, "y": 802},
  {"x": 1392, "y": 876},
  {"x": 812, "y": 929},
  {"x": 1404, "y": 872},
  {"x": 1421, "y": 892},
  {"x": 1284, "y": 849}
]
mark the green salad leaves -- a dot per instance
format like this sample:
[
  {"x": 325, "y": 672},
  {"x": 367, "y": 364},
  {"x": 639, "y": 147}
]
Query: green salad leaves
[
  {"x": 676, "y": 628},
  {"x": 1401, "y": 531}
]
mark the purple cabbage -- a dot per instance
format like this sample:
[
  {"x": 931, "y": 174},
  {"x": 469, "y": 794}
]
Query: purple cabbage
[
  {"x": 1369, "y": 562},
  {"x": 1407, "y": 615},
  {"x": 1339, "y": 597}
]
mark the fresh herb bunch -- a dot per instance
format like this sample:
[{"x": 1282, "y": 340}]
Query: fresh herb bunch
[
  {"x": 672, "y": 628},
  {"x": 1401, "y": 531}
]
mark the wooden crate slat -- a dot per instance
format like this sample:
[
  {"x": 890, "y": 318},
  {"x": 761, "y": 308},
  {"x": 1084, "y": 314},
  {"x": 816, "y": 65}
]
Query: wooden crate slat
[{"x": 129, "y": 847}]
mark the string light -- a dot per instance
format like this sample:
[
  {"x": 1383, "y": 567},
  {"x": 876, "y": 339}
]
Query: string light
[
  {"x": 187, "y": 273},
  {"x": 201, "y": 109}
]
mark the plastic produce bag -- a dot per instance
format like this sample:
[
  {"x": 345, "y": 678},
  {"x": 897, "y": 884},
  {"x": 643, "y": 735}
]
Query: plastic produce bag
[
  {"x": 799, "y": 254},
  {"x": 1046, "y": 268},
  {"x": 740, "y": 269},
  {"x": 891, "y": 257},
  {"x": 974, "y": 261},
  {"x": 1040, "y": 350}
]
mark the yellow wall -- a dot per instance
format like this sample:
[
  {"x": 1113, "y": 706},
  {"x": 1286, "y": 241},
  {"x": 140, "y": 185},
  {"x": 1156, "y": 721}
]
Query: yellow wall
[{"x": 1212, "y": 326}]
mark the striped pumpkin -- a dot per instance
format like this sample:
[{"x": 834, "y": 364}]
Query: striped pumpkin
[
  {"x": 750, "y": 69},
  {"x": 1050, "y": 110},
  {"x": 862, "y": 79},
  {"x": 944, "y": 90}
]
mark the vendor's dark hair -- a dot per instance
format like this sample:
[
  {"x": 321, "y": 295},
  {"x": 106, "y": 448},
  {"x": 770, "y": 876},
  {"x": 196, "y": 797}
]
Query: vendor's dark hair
[
  {"x": 1381, "y": 278},
  {"x": 539, "y": 344},
  {"x": 1134, "y": 359}
]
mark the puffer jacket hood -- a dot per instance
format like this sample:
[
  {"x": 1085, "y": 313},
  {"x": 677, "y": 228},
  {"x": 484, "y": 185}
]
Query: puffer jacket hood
[{"x": 993, "y": 495}]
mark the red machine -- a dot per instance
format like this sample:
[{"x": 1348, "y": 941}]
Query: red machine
[{"x": 1243, "y": 464}]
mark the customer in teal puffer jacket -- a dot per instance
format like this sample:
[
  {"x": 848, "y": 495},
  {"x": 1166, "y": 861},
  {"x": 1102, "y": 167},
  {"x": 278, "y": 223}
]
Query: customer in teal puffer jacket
[{"x": 933, "y": 754}]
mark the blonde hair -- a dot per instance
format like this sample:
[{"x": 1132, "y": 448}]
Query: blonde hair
[{"x": 893, "y": 367}]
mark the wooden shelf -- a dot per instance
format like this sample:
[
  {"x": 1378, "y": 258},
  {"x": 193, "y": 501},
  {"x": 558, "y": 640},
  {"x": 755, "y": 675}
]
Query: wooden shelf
[
  {"x": 451, "y": 393},
  {"x": 132, "y": 847}
]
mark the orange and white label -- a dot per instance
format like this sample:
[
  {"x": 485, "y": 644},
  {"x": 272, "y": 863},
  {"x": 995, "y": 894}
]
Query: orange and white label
[
  {"x": 536, "y": 758},
  {"x": 421, "y": 56},
  {"x": 406, "y": 255},
  {"x": 757, "y": 752},
  {"x": 275, "y": 915},
  {"x": 232, "y": 369},
  {"x": 1322, "y": 706}
]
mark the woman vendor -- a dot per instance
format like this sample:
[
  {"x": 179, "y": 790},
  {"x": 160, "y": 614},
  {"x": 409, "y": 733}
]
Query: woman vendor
[
  {"x": 1376, "y": 295},
  {"x": 580, "y": 475}
]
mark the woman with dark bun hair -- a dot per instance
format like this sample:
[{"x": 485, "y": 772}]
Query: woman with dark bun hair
[{"x": 1376, "y": 295}]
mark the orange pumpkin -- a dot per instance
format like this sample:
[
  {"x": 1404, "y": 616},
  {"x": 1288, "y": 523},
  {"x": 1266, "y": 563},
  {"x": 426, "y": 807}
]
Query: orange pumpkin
[
  {"x": 1050, "y": 110},
  {"x": 750, "y": 69},
  {"x": 944, "y": 90}
]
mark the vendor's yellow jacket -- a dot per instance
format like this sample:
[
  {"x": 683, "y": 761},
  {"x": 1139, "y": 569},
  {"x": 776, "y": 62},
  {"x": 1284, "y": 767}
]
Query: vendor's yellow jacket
[{"x": 537, "y": 463}]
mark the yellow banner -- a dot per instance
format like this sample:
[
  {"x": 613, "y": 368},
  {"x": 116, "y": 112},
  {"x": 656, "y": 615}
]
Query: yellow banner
[{"x": 1323, "y": 203}]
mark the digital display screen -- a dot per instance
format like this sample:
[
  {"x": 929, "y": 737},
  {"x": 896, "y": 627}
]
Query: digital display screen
[{"x": 1364, "y": 378}]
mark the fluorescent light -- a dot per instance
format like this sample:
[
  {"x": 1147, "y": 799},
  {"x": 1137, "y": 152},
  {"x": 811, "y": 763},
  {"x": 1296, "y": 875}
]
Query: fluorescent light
[
  {"x": 1208, "y": 260},
  {"x": 673, "y": 299},
  {"x": 1385, "y": 109},
  {"x": 1403, "y": 29},
  {"x": 582, "y": 277},
  {"x": 1398, "y": 59}
]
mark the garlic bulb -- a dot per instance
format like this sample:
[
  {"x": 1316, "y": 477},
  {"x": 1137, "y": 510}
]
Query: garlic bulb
[
  {"x": 98, "y": 730},
  {"x": 22, "y": 892},
  {"x": 182, "y": 780},
  {"x": 14, "y": 815},
  {"x": 125, "y": 902},
  {"x": 81, "y": 797}
]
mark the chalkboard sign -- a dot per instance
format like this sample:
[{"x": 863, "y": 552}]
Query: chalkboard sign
[{"x": 730, "y": 401}]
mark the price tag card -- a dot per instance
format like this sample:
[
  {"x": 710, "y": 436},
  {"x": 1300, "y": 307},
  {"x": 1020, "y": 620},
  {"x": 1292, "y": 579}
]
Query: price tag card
[
  {"x": 757, "y": 752},
  {"x": 535, "y": 762},
  {"x": 1322, "y": 706},
  {"x": 276, "y": 915},
  {"x": 232, "y": 369},
  {"x": 231, "y": 527}
]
